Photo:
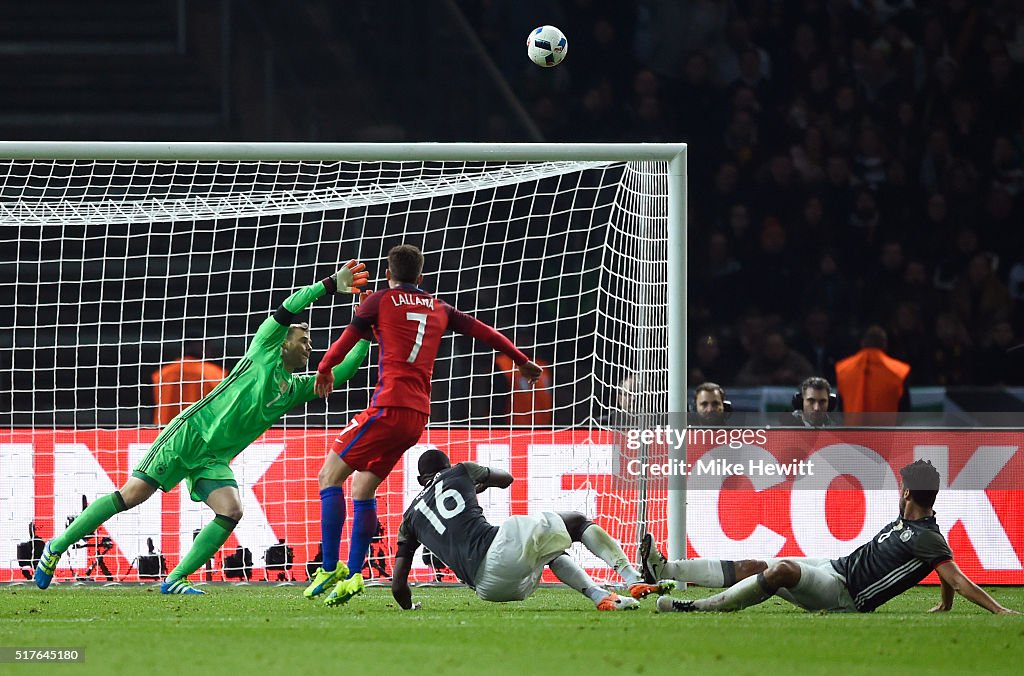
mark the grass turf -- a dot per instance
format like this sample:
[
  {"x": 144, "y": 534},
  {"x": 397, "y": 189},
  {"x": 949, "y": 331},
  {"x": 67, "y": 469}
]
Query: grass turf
[{"x": 133, "y": 629}]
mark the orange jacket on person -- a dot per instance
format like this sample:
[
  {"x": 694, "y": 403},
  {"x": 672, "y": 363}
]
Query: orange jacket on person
[
  {"x": 530, "y": 404},
  {"x": 870, "y": 381},
  {"x": 181, "y": 383}
]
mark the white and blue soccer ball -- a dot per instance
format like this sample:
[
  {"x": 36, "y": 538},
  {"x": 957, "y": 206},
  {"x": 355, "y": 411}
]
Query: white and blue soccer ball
[{"x": 547, "y": 46}]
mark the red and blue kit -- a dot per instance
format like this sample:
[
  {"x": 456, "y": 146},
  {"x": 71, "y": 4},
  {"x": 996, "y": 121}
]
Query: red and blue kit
[{"x": 407, "y": 323}]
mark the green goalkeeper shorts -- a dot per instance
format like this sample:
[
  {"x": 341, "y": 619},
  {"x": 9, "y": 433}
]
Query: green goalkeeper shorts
[{"x": 180, "y": 452}]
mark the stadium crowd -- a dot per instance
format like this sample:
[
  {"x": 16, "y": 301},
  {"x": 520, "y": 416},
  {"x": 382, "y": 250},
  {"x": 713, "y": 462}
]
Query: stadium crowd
[{"x": 851, "y": 162}]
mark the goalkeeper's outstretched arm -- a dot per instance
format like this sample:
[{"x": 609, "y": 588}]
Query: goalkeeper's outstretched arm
[
  {"x": 349, "y": 279},
  {"x": 342, "y": 372}
]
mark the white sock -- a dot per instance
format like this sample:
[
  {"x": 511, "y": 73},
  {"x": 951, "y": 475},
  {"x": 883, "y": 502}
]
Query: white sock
[
  {"x": 747, "y": 592},
  {"x": 701, "y": 572},
  {"x": 597, "y": 540},
  {"x": 570, "y": 573}
]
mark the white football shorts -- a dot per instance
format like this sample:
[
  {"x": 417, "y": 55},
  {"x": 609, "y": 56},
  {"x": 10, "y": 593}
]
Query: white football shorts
[
  {"x": 821, "y": 587},
  {"x": 516, "y": 559}
]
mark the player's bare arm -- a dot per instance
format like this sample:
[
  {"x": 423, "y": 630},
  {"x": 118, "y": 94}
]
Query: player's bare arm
[
  {"x": 467, "y": 325},
  {"x": 531, "y": 371},
  {"x": 400, "y": 583},
  {"x": 952, "y": 577},
  {"x": 496, "y": 478},
  {"x": 946, "y": 595},
  {"x": 400, "y": 575}
]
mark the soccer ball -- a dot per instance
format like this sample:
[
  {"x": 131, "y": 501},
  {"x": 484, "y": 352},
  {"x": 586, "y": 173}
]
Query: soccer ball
[{"x": 546, "y": 46}]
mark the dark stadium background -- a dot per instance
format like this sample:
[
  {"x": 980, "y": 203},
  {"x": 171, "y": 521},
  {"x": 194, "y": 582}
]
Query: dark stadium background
[{"x": 856, "y": 162}]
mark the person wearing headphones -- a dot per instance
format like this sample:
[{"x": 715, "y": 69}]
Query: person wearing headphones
[
  {"x": 710, "y": 404},
  {"x": 813, "y": 403}
]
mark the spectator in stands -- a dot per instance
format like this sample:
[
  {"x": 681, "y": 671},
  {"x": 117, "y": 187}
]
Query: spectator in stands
[
  {"x": 936, "y": 162},
  {"x": 999, "y": 227},
  {"x": 772, "y": 278},
  {"x": 811, "y": 232},
  {"x": 751, "y": 330},
  {"x": 697, "y": 103},
  {"x": 885, "y": 278},
  {"x": 722, "y": 195},
  {"x": 646, "y": 110},
  {"x": 955, "y": 259},
  {"x": 870, "y": 161},
  {"x": 917, "y": 288},
  {"x": 601, "y": 112},
  {"x": 778, "y": 194},
  {"x": 721, "y": 278},
  {"x": 710, "y": 363},
  {"x": 776, "y": 364},
  {"x": 932, "y": 233},
  {"x": 808, "y": 157},
  {"x": 184, "y": 381},
  {"x": 998, "y": 364},
  {"x": 830, "y": 289},
  {"x": 863, "y": 230},
  {"x": 870, "y": 381},
  {"x": 909, "y": 340},
  {"x": 743, "y": 139},
  {"x": 741, "y": 233},
  {"x": 952, "y": 355},
  {"x": 837, "y": 192},
  {"x": 979, "y": 298},
  {"x": 818, "y": 344}
]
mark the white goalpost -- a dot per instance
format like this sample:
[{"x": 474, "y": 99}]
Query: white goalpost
[{"x": 115, "y": 255}]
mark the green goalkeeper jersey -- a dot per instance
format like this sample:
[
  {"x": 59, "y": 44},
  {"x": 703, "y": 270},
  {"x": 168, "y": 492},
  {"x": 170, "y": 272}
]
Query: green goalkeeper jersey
[{"x": 259, "y": 390}]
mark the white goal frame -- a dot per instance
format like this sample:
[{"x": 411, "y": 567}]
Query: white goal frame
[{"x": 673, "y": 153}]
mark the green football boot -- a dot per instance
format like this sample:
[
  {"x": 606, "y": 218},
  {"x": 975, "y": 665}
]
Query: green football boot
[
  {"x": 345, "y": 590},
  {"x": 323, "y": 579}
]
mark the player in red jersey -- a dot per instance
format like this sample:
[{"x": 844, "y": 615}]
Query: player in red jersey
[{"x": 408, "y": 324}]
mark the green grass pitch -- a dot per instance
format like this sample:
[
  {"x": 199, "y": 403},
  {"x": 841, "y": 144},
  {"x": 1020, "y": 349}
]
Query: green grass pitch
[{"x": 255, "y": 630}]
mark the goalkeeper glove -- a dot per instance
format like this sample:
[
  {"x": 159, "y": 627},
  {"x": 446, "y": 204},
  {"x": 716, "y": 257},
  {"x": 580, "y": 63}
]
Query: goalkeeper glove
[{"x": 349, "y": 279}]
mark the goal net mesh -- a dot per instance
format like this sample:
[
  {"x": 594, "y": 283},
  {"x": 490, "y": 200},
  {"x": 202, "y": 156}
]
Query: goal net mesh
[{"x": 110, "y": 270}]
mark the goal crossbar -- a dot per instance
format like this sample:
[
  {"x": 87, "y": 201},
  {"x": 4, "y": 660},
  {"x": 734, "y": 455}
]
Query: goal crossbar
[{"x": 376, "y": 152}]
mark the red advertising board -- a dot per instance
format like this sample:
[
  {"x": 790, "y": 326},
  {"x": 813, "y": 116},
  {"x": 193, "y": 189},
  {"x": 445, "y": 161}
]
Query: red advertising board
[{"x": 762, "y": 511}]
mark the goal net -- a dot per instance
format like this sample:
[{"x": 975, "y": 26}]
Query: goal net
[{"x": 111, "y": 269}]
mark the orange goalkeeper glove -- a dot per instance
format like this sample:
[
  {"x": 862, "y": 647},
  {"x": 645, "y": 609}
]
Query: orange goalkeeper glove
[{"x": 351, "y": 278}]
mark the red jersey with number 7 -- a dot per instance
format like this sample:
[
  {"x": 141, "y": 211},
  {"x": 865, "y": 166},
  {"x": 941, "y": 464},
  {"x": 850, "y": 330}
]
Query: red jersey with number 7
[{"x": 408, "y": 324}]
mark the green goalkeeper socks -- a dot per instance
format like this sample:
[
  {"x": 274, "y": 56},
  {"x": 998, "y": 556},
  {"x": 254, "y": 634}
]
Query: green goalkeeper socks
[
  {"x": 209, "y": 540},
  {"x": 89, "y": 520}
]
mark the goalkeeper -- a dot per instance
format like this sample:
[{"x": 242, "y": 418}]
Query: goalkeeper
[{"x": 200, "y": 442}]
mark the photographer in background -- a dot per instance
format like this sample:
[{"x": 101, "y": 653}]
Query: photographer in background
[
  {"x": 813, "y": 403},
  {"x": 710, "y": 404}
]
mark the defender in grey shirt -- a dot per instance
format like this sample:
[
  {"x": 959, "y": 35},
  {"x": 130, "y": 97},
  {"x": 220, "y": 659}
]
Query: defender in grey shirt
[
  {"x": 502, "y": 563},
  {"x": 896, "y": 559}
]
